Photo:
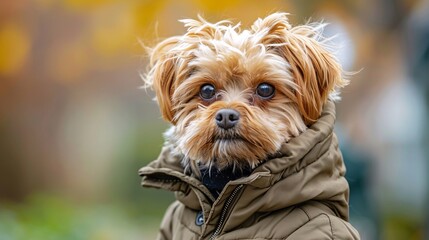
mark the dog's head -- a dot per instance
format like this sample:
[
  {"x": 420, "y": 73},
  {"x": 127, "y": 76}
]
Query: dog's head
[{"x": 234, "y": 96}]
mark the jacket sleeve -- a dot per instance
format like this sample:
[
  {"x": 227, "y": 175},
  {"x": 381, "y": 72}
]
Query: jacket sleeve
[
  {"x": 325, "y": 227},
  {"x": 167, "y": 224}
]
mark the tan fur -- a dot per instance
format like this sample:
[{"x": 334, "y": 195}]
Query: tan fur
[{"x": 294, "y": 60}]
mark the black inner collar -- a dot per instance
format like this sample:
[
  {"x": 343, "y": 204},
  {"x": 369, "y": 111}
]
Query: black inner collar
[{"x": 215, "y": 179}]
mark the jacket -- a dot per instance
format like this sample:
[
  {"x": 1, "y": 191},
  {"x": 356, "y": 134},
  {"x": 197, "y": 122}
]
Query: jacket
[{"x": 299, "y": 194}]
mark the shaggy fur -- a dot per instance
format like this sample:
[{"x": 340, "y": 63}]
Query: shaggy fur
[{"x": 294, "y": 60}]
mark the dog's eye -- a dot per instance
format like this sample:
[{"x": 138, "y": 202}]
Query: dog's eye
[
  {"x": 207, "y": 92},
  {"x": 265, "y": 90}
]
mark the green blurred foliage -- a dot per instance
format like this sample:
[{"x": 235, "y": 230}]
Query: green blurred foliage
[{"x": 47, "y": 217}]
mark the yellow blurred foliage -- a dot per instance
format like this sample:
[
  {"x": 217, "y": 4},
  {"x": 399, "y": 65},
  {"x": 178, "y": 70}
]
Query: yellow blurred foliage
[
  {"x": 244, "y": 11},
  {"x": 215, "y": 6},
  {"x": 14, "y": 48},
  {"x": 84, "y": 5},
  {"x": 145, "y": 13},
  {"x": 112, "y": 31}
]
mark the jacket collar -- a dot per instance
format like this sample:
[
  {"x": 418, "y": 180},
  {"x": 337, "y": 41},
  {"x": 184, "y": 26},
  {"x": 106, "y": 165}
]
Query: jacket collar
[{"x": 308, "y": 167}]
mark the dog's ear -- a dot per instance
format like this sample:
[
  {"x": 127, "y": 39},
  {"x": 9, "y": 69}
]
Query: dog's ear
[
  {"x": 162, "y": 76},
  {"x": 163, "y": 80},
  {"x": 315, "y": 70}
]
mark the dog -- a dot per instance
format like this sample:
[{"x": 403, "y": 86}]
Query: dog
[{"x": 250, "y": 153}]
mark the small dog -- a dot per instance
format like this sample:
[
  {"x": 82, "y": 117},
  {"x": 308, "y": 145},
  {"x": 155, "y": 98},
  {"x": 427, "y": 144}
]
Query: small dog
[{"x": 235, "y": 98}]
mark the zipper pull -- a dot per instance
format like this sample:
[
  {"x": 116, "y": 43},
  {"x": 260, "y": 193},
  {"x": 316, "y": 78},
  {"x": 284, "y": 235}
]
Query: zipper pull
[{"x": 225, "y": 210}]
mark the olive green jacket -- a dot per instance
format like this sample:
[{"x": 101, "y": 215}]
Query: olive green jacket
[{"x": 299, "y": 194}]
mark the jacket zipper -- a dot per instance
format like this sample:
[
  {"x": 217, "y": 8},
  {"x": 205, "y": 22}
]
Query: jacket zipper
[{"x": 225, "y": 211}]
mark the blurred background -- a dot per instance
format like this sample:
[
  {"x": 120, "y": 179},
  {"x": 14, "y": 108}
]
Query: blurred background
[{"x": 75, "y": 127}]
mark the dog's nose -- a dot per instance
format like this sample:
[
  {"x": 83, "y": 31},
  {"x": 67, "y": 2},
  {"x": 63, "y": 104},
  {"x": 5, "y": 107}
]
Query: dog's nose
[{"x": 227, "y": 118}]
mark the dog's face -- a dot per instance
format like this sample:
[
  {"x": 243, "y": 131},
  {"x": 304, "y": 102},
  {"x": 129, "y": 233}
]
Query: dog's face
[{"x": 235, "y": 96}]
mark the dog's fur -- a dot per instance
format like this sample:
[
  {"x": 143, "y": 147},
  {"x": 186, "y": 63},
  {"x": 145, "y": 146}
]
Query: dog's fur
[{"x": 296, "y": 61}]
